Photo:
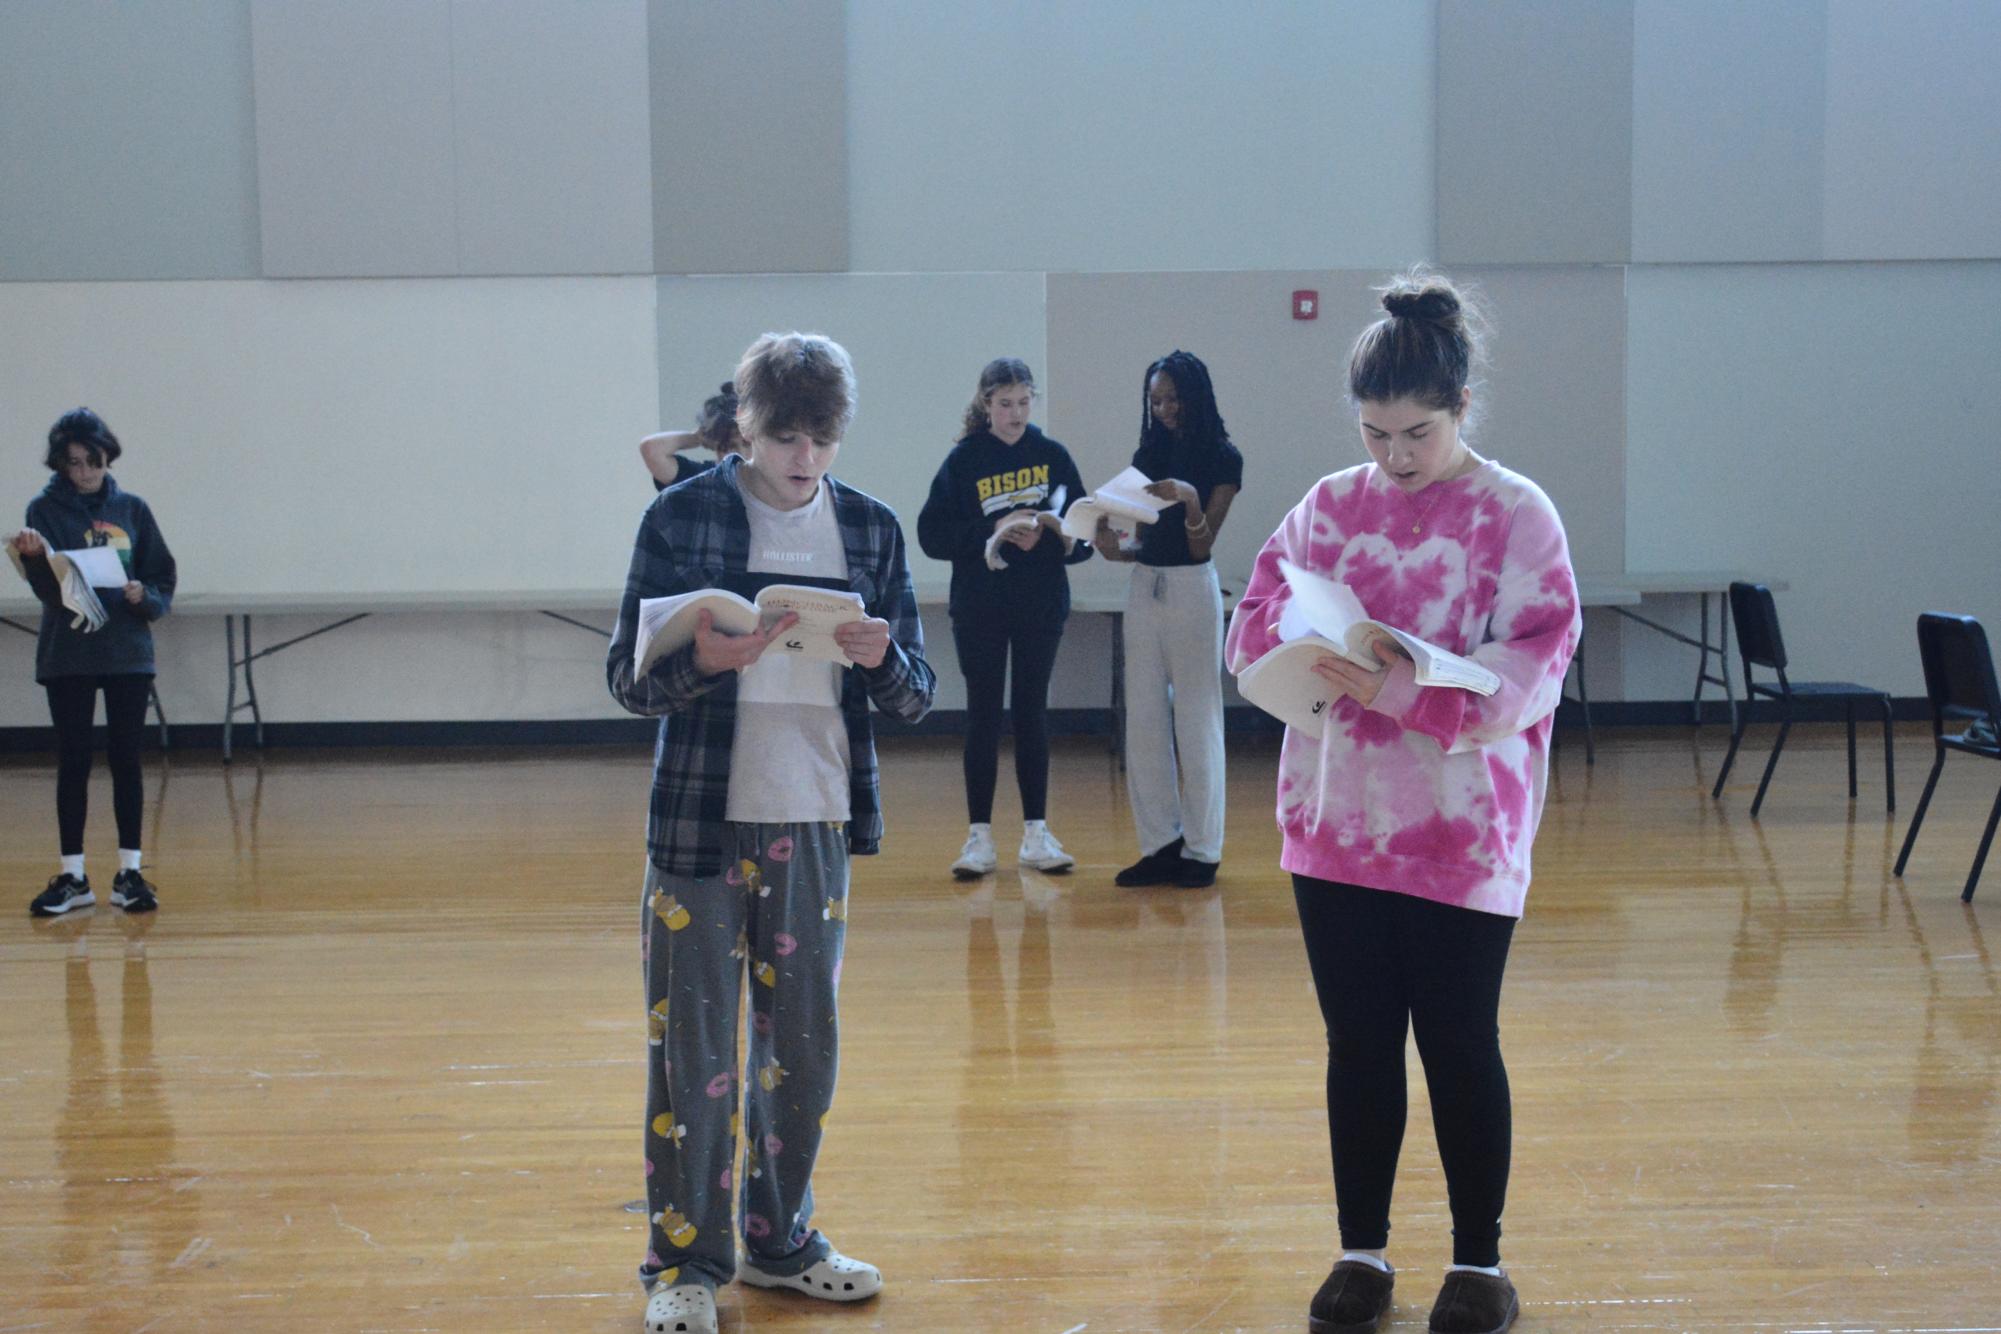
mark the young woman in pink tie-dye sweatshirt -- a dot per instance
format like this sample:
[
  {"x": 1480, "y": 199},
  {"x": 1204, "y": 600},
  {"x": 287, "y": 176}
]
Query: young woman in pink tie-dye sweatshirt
[{"x": 1407, "y": 825}]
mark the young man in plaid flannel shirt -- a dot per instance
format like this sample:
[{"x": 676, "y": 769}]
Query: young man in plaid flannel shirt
[{"x": 764, "y": 784}]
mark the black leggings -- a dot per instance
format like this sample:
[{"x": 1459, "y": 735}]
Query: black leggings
[
  {"x": 1382, "y": 962},
  {"x": 72, "y": 705},
  {"x": 984, "y": 648}
]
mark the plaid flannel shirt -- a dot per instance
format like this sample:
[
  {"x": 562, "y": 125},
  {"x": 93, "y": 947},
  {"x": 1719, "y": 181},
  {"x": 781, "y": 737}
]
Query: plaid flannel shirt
[{"x": 690, "y": 536}]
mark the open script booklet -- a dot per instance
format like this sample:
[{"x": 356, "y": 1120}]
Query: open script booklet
[
  {"x": 78, "y": 575},
  {"x": 1123, "y": 500},
  {"x": 1326, "y": 617},
  {"x": 665, "y": 624}
]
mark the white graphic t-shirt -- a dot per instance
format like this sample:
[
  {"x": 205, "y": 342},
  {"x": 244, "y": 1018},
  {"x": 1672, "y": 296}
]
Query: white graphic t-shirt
[{"x": 789, "y": 759}]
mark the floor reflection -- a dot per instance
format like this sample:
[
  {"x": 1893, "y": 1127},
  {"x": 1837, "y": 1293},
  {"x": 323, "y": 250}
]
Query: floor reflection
[{"x": 129, "y": 1218}]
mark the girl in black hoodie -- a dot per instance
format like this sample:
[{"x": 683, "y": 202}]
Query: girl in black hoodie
[
  {"x": 1003, "y": 466},
  {"x": 83, "y": 507}
]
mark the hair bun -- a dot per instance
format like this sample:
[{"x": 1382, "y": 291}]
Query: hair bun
[{"x": 1436, "y": 304}]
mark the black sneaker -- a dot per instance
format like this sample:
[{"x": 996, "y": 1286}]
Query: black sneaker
[
  {"x": 130, "y": 891},
  {"x": 1156, "y": 868},
  {"x": 1193, "y": 874},
  {"x": 66, "y": 893}
]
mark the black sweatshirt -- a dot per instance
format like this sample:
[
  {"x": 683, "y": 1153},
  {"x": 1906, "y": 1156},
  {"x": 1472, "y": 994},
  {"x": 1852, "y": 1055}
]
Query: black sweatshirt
[
  {"x": 980, "y": 481},
  {"x": 108, "y": 518}
]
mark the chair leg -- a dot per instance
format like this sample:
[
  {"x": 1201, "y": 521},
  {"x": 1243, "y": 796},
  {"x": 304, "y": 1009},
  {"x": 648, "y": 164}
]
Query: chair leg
[
  {"x": 1779, "y": 744},
  {"x": 1980, "y": 857},
  {"x": 1889, "y": 760},
  {"x": 1849, "y": 709},
  {"x": 1918, "y": 817},
  {"x": 1730, "y": 755}
]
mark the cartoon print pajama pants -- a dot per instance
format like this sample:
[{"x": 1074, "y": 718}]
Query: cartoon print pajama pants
[{"x": 779, "y": 913}]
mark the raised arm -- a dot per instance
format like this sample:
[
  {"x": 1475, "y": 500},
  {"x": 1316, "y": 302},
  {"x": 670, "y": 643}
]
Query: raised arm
[{"x": 659, "y": 453}]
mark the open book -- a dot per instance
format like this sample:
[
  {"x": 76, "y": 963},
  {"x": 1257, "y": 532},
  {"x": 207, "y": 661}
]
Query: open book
[
  {"x": 1016, "y": 519},
  {"x": 78, "y": 575},
  {"x": 665, "y": 624},
  {"x": 1326, "y": 617},
  {"x": 1123, "y": 500}
]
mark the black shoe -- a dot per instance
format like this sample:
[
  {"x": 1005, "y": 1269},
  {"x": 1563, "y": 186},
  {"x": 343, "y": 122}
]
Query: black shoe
[
  {"x": 1192, "y": 874},
  {"x": 1471, "y": 1303},
  {"x": 1353, "y": 1300},
  {"x": 66, "y": 893},
  {"x": 1156, "y": 868},
  {"x": 130, "y": 891}
]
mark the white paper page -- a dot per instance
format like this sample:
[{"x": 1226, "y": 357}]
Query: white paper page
[
  {"x": 1129, "y": 488},
  {"x": 659, "y": 635},
  {"x": 1441, "y": 667},
  {"x": 1284, "y": 684},
  {"x": 1018, "y": 519},
  {"x": 99, "y": 566},
  {"x": 820, "y": 610}
]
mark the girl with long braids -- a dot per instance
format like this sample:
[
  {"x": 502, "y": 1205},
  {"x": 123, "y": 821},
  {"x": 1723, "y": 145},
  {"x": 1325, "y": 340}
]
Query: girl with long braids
[
  {"x": 1408, "y": 822},
  {"x": 1002, "y": 466},
  {"x": 1174, "y": 628}
]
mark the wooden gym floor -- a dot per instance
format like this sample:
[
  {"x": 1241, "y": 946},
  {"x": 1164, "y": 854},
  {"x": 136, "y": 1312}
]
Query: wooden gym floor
[{"x": 377, "y": 1064}]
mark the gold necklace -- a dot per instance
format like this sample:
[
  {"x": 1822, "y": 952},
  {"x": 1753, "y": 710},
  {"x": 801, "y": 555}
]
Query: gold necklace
[{"x": 1417, "y": 524}]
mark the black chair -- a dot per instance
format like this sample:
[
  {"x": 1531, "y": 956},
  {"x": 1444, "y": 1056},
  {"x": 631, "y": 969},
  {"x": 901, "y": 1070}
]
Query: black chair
[
  {"x": 1760, "y": 644},
  {"x": 1959, "y": 681}
]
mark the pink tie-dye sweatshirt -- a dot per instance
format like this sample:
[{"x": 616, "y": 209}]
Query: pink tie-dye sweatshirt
[{"x": 1434, "y": 792}]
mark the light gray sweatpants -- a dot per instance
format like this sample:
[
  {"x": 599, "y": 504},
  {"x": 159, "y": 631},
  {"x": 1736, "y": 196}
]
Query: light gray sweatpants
[
  {"x": 779, "y": 912},
  {"x": 1174, "y": 708}
]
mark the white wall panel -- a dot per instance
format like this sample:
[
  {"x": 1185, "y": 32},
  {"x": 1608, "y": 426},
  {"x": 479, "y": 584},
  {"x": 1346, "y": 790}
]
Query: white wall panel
[
  {"x": 1729, "y": 106},
  {"x": 1913, "y": 114},
  {"x": 552, "y": 137},
  {"x": 355, "y": 138},
  {"x": 1041, "y": 134},
  {"x": 1824, "y": 425},
  {"x": 126, "y": 145},
  {"x": 353, "y": 437}
]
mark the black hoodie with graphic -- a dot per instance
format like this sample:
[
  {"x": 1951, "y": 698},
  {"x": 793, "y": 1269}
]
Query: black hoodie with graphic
[
  {"x": 68, "y": 519},
  {"x": 980, "y": 481}
]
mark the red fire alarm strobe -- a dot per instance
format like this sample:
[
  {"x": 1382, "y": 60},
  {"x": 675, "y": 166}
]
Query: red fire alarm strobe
[{"x": 1305, "y": 305}]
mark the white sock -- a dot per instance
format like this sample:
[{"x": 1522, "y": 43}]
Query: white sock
[
  {"x": 1032, "y": 826},
  {"x": 1494, "y": 1272},
  {"x": 73, "y": 866},
  {"x": 1368, "y": 1259},
  {"x": 128, "y": 859},
  {"x": 981, "y": 827}
]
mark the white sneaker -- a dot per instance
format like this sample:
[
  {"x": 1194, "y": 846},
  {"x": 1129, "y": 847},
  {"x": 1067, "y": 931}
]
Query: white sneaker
[
  {"x": 685, "y": 1308},
  {"x": 977, "y": 858},
  {"x": 1040, "y": 851},
  {"x": 834, "y": 1279}
]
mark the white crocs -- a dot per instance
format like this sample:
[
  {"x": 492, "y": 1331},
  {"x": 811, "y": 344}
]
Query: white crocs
[
  {"x": 834, "y": 1279},
  {"x": 685, "y": 1308}
]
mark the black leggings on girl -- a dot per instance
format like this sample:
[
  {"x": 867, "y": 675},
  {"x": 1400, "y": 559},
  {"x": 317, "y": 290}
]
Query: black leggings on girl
[
  {"x": 1382, "y": 963},
  {"x": 984, "y": 647},
  {"x": 72, "y": 704}
]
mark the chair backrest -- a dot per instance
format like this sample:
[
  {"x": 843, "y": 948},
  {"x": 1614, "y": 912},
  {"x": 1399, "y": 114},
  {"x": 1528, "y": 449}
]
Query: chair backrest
[
  {"x": 1757, "y": 618},
  {"x": 1959, "y": 669}
]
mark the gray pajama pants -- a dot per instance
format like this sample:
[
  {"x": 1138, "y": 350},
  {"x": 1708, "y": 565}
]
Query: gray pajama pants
[{"x": 779, "y": 912}]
